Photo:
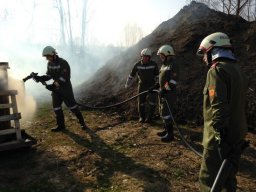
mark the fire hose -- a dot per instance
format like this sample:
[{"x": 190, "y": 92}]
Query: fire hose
[
  {"x": 169, "y": 109},
  {"x": 226, "y": 164},
  {"x": 113, "y": 105},
  {"x": 33, "y": 75}
]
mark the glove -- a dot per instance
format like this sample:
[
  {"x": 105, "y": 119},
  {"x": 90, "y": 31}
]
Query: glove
[
  {"x": 162, "y": 93},
  {"x": 56, "y": 84},
  {"x": 50, "y": 87},
  {"x": 224, "y": 150},
  {"x": 128, "y": 82}
]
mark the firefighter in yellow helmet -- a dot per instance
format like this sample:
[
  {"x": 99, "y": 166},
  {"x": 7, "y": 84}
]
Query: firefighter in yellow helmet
[
  {"x": 168, "y": 80},
  {"x": 147, "y": 71},
  {"x": 223, "y": 110},
  {"x": 58, "y": 70}
]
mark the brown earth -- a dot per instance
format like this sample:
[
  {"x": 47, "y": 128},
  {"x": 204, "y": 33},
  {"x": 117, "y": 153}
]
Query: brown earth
[{"x": 114, "y": 155}]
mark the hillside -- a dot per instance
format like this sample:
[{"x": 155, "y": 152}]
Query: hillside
[{"x": 184, "y": 32}]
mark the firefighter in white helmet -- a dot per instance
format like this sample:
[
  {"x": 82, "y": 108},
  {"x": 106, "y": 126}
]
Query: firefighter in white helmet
[
  {"x": 224, "y": 110},
  {"x": 58, "y": 70},
  {"x": 147, "y": 71},
  {"x": 168, "y": 80}
]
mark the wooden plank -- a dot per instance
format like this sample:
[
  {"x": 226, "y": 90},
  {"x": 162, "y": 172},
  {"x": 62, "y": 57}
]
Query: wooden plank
[
  {"x": 5, "y": 106},
  {"x": 16, "y": 144},
  {"x": 14, "y": 116},
  {"x": 8, "y": 92},
  {"x": 10, "y": 143},
  {"x": 16, "y": 122},
  {"x": 7, "y": 131}
]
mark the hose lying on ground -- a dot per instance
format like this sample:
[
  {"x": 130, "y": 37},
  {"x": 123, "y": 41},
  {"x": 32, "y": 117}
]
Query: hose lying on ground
[
  {"x": 113, "y": 105},
  {"x": 144, "y": 92}
]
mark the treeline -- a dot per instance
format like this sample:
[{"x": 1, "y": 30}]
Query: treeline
[{"x": 243, "y": 8}]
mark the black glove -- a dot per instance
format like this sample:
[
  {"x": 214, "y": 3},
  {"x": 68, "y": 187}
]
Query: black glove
[
  {"x": 50, "y": 87},
  {"x": 224, "y": 150},
  {"x": 162, "y": 93}
]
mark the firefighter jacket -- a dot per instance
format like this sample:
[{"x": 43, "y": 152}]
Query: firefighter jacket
[
  {"x": 147, "y": 72},
  {"x": 168, "y": 76},
  {"x": 224, "y": 104},
  {"x": 59, "y": 71}
]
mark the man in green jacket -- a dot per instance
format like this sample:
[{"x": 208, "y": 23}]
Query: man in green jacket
[
  {"x": 58, "y": 70},
  {"x": 168, "y": 79},
  {"x": 223, "y": 110},
  {"x": 147, "y": 71}
]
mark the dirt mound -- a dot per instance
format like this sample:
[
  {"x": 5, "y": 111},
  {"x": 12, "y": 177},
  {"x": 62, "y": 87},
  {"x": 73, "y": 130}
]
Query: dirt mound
[{"x": 184, "y": 31}]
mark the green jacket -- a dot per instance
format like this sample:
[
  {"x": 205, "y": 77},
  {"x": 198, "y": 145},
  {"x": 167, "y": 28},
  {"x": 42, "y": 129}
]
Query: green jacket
[
  {"x": 147, "y": 73},
  {"x": 224, "y": 104},
  {"x": 169, "y": 75}
]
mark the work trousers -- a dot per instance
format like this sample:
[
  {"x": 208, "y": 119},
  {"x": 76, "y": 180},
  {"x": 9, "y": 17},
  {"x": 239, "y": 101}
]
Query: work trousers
[{"x": 210, "y": 165}]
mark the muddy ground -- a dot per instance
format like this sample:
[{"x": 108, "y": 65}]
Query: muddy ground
[{"x": 114, "y": 155}]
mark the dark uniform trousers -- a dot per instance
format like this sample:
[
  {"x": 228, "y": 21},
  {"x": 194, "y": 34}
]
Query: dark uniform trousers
[
  {"x": 142, "y": 101},
  {"x": 170, "y": 97},
  {"x": 65, "y": 94}
]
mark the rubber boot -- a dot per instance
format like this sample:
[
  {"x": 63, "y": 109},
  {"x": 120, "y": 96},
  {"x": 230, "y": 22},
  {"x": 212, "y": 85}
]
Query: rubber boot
[
  {"x": 169, "y": 135},
  {"x": 60, "y": 121},
  {"x": 80, "y": 118},
  {"x": 162, "y": 133}
]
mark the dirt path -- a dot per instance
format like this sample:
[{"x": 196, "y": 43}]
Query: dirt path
[{"x": 114, "y": 155}]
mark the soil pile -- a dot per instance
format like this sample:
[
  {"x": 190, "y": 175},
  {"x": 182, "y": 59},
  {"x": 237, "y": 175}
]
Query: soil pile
[{"x": 184, "y": 32}]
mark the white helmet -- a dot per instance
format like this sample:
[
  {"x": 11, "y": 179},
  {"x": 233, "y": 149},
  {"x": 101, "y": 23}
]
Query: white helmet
[
  {"x": 217, "y": 39},
  {"x": 146, "y": 52},
  {"x": 49, "y": 50},
  {"x": 166, "y": 50}
]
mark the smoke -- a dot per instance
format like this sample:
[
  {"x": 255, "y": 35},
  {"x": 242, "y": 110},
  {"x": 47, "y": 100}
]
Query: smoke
[
  {"x": 26, "y": 27},
  {"x": 25, "y": 102}
]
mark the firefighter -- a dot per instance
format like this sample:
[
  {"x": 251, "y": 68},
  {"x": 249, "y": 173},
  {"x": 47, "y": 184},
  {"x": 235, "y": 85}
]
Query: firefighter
[
  {"x": 58, "y": 69},
  {"x": 147, "y": 71},
  {"x": 223, "y": 109},
  {"x": 168, "y": 79}
]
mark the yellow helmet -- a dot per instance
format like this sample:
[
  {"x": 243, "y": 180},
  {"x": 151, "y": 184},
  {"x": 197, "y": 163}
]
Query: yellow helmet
[
  {"x": 49, "y": 50},
  {"x": 217, "y": 39},
  {"x": 166, "y": 50},
  {"x": 146, "y": 52}
]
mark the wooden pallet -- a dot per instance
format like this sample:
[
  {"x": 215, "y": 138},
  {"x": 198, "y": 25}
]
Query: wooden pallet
[{"x": 13, "y": 137}]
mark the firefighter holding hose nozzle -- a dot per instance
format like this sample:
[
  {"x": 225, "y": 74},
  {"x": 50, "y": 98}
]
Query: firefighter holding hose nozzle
[{"x": 58, "y": 70}]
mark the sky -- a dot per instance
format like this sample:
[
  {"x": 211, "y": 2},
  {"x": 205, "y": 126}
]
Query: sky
[
  {"x": 110, "y": 17},
  {"x": 24, "y": 31},
  {"x": 106, "y": 18}
]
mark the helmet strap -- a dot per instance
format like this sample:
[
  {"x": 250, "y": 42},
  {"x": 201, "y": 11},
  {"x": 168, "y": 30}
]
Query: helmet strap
[{"x": 209, "y": 59}]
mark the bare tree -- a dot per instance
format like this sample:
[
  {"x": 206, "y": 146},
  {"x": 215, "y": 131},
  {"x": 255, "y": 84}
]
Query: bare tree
[
  {"x": 59, "y": 6},
  {"x": 132, "y": 34},
  {"x": 69, "y": 27},
  {"x": 243, "y": 8},
  {"x": 84, "y": 23}
]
